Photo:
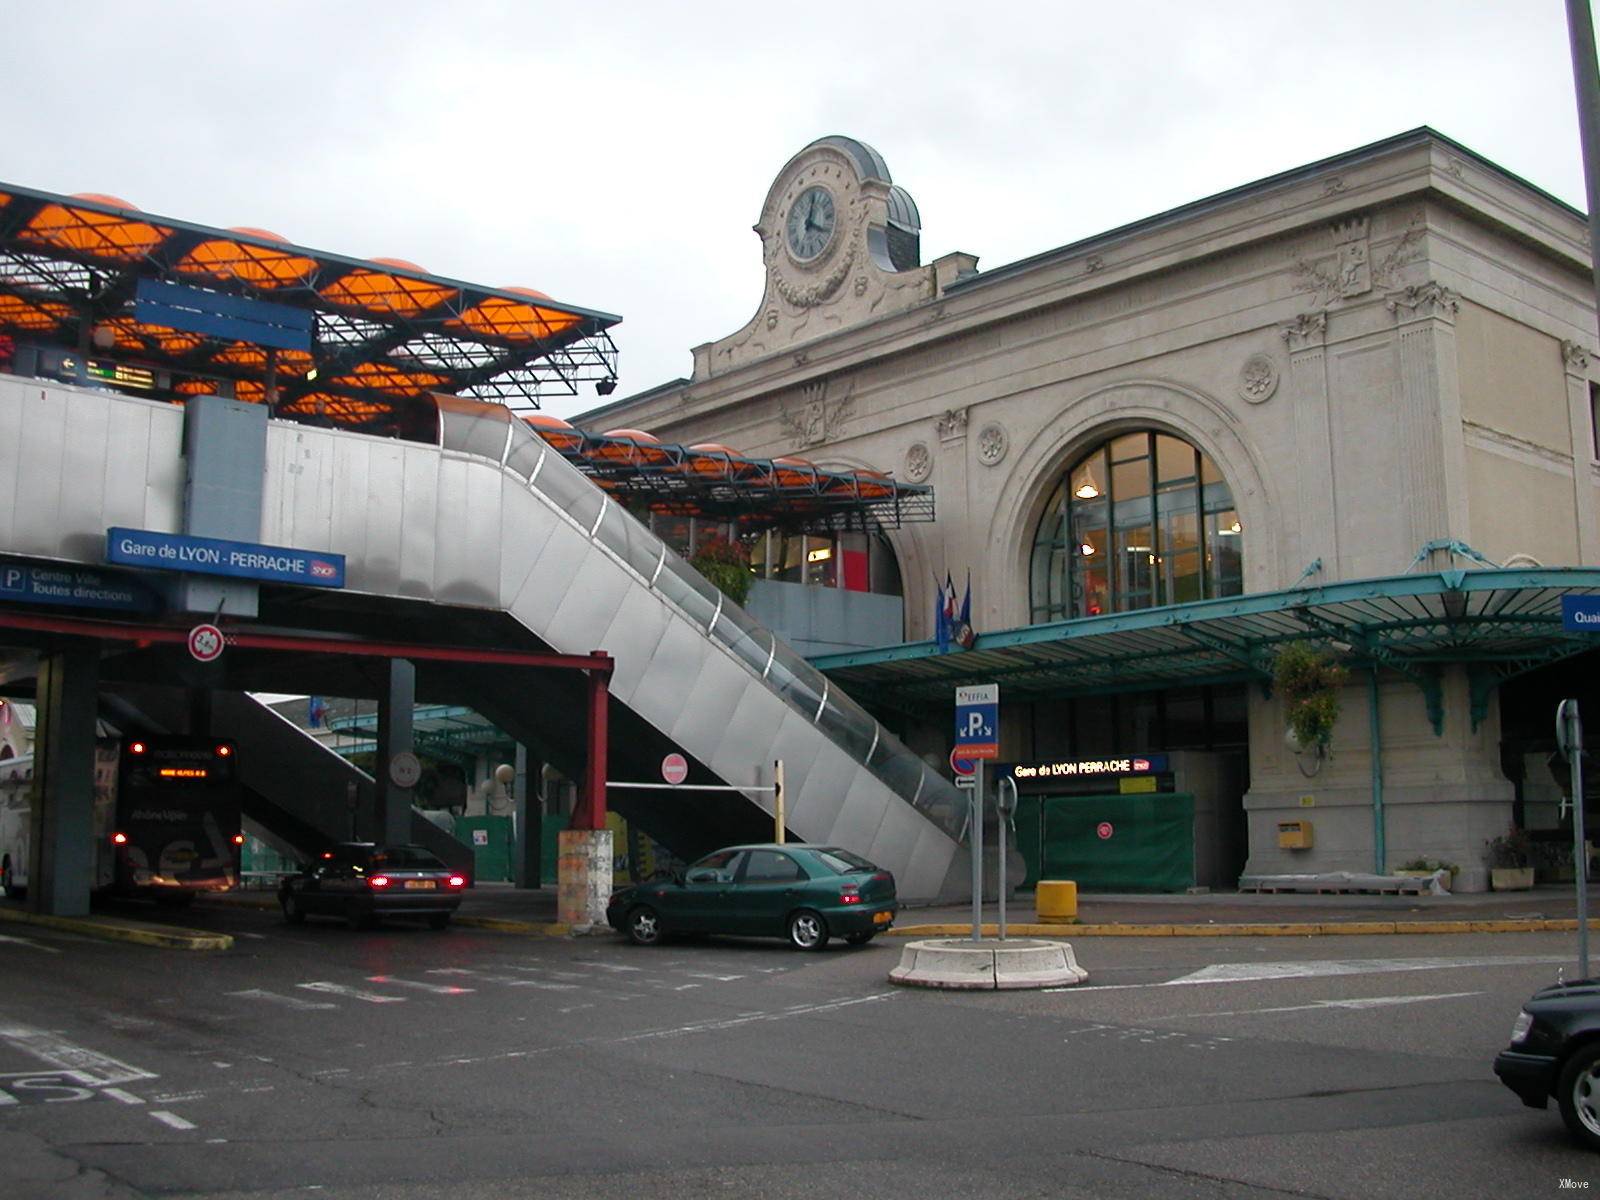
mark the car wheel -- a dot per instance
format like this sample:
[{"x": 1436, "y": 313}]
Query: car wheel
[
  {"x": 439, "y": 921},
  {"x": 1579, "y": 1094},
  {"x": 12, "y": 891},
  {"x": 644, "y": 926},
  {"x": 292, "y": 912},
  {"x": 861, "y": 939},
  {"x": 807, "y": 930}
]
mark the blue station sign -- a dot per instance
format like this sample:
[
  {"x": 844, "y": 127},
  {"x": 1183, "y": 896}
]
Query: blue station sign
[
  {"x": 978, "y": 721},
  {"x": 77, "y": 587},
  {"x": 1580, "y": 614},
  {"x": 217, "y": 556}
]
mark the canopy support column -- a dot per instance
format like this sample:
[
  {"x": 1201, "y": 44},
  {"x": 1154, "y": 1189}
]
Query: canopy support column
[{"x": 1375, "y": 735}]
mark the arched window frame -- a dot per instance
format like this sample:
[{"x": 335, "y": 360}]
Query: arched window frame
[{"x": 1143, "y": 519}]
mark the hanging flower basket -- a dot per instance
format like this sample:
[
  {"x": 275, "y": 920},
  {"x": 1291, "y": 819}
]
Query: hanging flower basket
[{"x": 1309, "y": 681}]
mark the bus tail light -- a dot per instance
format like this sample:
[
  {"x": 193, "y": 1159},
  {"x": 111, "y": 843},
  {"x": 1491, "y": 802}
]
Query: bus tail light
[
  {"x": 119, "y": 839},
  {"x": 458, "y": 881},
  {"x": 137, "y": 748},
  {"x": 238, "y": 839},
  {"x": 378, "y": 882}
]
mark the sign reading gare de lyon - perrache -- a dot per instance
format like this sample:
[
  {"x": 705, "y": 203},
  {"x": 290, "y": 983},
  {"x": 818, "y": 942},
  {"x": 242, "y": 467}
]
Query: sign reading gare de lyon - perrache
[{"x": 218, "y": 556}]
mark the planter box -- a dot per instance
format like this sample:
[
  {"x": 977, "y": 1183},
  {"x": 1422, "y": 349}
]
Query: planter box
[{"x": 1511, "y": 879}]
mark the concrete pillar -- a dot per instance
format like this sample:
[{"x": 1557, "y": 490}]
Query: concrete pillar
[
  {"x": 1307, "y": 338},
  {"x": 396, "y": 706},
  {"x": 61, "y": 853},
  {"x": 583, "y": 872},
  {"x": 1580, "y": 418},
  {"x": 1431, "y": 438},
  {"x": 225, "y": 449}
]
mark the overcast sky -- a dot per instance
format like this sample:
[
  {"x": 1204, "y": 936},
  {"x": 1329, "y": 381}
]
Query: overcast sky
[{"x": 616, "y": 155}]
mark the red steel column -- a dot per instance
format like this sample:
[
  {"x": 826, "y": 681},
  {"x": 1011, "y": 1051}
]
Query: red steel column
[{"x": 593, "y": 814}]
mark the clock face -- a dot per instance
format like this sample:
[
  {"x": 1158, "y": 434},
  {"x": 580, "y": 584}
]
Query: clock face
[{"x": 811, "y": 223}]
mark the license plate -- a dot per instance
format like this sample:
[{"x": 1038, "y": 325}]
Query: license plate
[
  {"x": 420, "y": 883},
  {"x": 882, "y": 918}
]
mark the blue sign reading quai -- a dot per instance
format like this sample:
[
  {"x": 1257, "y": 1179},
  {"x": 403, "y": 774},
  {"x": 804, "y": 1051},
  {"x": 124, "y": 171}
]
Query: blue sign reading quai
[
  {"x": 79, "y": 587},
  {"x": 215, "y": 556},
  {"x": 1581, "y": 613}
]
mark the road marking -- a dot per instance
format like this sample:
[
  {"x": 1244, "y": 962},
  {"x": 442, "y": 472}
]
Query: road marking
[
  {"x": 172, "y": 1119},
  {"x": 339, "y": 989},
  {"x": 440, "y": 989},
  {"x": 288, "y": 1001},
  {"x": 32, "y": 945},
  {"x": 718, "y": 978},
  {"x": 1319, "y": 969},
  {"x": 604, "y": 966},
  {"x": 91, "y": 1067},
  {"x": 1358, "y": 1003},
  {"x": 119, "y": 1094}
]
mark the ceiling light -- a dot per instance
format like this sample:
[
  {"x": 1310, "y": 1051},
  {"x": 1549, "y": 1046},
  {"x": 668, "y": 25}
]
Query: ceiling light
[
  {"x": 1234, "y": 528},
  {"x": 1087, "y": 490},
  {"x": 1086, "y": 550}
]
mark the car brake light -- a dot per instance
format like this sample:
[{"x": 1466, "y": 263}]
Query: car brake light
[
  {"x": 849, "y": 894},
  {"x": 378, "y": 881},
  {"x": 458, "y": 881},
  {"x": 119, "y": 839}
]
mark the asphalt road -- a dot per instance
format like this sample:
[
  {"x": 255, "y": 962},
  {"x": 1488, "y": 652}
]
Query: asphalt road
[{"x": 400, "y": 1063}]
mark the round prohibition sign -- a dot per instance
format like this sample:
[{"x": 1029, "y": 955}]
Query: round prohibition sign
[
  {"x": 206, "y": 643},
  {"x": 1104, "y": 830}
]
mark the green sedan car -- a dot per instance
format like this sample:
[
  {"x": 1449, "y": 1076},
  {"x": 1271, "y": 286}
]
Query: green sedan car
[{"x": 807, "y": 894}]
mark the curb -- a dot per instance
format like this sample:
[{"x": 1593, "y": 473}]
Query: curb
[
  {"x": 507, "y": 925},
  {"x": 124, "y": 931},
  {"x": 1276, "y": 929}
]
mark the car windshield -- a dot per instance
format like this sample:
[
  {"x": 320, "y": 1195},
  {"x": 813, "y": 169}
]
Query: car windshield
[
  {"x": 843, "y": 862},
  {"x": 405, "y": 856}
]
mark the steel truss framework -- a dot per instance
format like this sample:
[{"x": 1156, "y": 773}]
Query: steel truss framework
[
  {"x": 1496, "y": 623},
  {"x": 383, "y": 332},
  {"x": 752, "y": 493}
]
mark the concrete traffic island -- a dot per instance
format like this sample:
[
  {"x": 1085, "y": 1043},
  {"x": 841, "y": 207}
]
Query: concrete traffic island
[{"x": 961, "y": 963}]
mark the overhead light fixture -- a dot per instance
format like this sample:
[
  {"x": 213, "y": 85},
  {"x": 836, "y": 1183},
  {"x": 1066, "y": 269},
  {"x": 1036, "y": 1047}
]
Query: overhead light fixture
[
  {"x": 605, "y": 387},
  {"x": 820, "y": 555},
  {"x": 1087, "y": 490},
  {"x": 1086, "y": 550},
  {"x": 1234, "y": 528}
]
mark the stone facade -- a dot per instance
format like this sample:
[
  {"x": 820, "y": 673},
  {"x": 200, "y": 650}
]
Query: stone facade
[{"x": 1384, "y": 351}]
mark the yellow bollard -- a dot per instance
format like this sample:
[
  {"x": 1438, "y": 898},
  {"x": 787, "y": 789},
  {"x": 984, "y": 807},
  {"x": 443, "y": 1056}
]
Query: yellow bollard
[{"x": 1056, "y": 900}]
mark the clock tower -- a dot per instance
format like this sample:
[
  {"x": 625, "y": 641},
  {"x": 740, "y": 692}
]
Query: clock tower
[{"x": 841, "y": 243}]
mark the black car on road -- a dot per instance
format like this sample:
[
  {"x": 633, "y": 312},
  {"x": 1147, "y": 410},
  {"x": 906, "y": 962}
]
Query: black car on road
[
  {"x": 1555, "y": 1051},
  {"x": 362, "y": 882}
]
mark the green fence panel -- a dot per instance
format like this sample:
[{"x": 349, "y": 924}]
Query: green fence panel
[
  {"x": 1029, "y": 827},
  {"x": 1134, "y": 843},
  {"x": 549, "y": 847},
  {"x": 492, "y": 846}
]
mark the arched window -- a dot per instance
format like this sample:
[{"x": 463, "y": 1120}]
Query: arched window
[{"x": 1143, "y": 519}]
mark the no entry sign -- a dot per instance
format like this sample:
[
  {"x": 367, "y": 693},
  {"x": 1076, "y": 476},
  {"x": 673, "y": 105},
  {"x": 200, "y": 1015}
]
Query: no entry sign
[
  {"x": 1104, "y": 830},
  {"x": 674, "y": 768}
]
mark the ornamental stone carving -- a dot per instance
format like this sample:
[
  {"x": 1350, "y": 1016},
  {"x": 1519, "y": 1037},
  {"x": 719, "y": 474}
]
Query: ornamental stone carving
[
  {"x": 1576, "y": 357},
  {"x": 919, "y": 463},
  {"x": 1423, "y": 301},
  {"x": 1305, "y": 331},
  {"x": 816, "y": 419},
  {"x": 953, "y": 425},
  {"x": 1258, "y": 379},
  {"x": 992, "y": 443}
]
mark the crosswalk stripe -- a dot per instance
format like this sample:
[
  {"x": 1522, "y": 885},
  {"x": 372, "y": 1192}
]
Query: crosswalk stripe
[
  {"x": 440, "y": 989},
  {"x": 339, "y": 989},
  {"x": 275, "y": 998},
  {"x": 172, "y": 1119}
]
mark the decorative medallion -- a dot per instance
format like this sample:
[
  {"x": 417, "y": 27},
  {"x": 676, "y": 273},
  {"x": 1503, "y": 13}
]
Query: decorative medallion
[
  {"x": 1258, "y": 379},
  {"x": 992, "y": 444},
  {"x": 919, "y": 462},
  {"x": 816, "y": 419}
]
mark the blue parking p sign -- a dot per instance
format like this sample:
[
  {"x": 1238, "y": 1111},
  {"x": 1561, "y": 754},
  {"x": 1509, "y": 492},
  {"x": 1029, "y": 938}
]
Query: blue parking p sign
[{"x": 978, "y": 721}]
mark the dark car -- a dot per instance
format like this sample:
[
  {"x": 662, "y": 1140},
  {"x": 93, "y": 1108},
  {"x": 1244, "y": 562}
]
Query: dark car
[
  {"x": 362, "y": 882},
  {"x": 807, "y": 894},
  {"x": 1555, "y": 1051}
]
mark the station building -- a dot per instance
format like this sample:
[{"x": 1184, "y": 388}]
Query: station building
[{"x": 1351, "y": 406}]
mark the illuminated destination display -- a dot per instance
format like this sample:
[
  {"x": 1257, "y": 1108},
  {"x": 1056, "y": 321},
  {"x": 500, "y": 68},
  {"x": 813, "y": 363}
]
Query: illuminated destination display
[
  {"x": 1070, "y": 768},
  {"x": 183, "y": 772}
]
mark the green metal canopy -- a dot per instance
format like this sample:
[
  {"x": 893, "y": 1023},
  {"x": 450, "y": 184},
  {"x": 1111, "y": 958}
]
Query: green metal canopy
[{"x": 1496, "y": 622}]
